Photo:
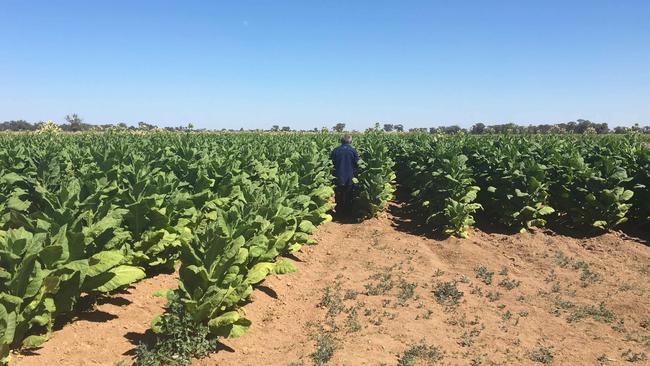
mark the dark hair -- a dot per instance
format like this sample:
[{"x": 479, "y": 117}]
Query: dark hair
[{"x": 346, "y": 139}]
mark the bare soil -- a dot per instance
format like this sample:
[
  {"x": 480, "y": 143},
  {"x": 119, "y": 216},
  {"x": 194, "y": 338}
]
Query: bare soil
[{"x": 376, "y": 294}]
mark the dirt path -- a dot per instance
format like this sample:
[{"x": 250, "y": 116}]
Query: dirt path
[
  {"x": 105, "y": 335},
  {"x": 370, "y": 294}
]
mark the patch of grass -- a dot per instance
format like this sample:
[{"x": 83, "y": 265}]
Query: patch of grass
[
  {"x": 506, "y": 316},
  {"x": 350, "y": 295},
  {"x": 332, "y": 300},
  {"x": 179, "y": 340},
  {"x": 352, "y": 321},
  {"x": 556, "y": 288},
  {"x": 447, "y": 293},
  {"x": 493, "y": 296},
  {"x": 509, "y": 284},
  {"x": 600, "y": 313},
  {"x": 382, "y": 282},
  {"x": 645, "y": 323},
  {"x": 562, "y": 259},
  {"x": 406, "y": 291},
  {"x": 421, "y": 354},
  {"x": 483, "y": 274},
  {"x": 588, "y": 277},
  {"x": 542, "y": 354},
  {"x": 467, "y": 339},
  {"x": 630, "y": 356},
  {"x": 325, "y": 347}
]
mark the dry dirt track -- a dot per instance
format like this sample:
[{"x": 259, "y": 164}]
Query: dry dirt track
[{"x": 389, "y": 291}]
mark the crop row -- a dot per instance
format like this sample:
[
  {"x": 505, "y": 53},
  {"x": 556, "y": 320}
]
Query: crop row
[
  {"x": 88, "y": 214},
  {"x": 582, "y": 183}
]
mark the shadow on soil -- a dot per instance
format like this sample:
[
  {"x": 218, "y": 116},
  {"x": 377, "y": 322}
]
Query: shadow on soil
[{"x": 137, "y": 339}]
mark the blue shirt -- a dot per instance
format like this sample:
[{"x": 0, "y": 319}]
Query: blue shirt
[{"x": 345, "y": 160}]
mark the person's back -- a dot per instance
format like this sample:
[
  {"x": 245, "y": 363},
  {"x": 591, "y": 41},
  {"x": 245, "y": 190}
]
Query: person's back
[{"x": 345, "y": 160}]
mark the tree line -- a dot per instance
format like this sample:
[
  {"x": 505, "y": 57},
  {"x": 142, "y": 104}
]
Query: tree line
[{"x": 75, "y": 123}]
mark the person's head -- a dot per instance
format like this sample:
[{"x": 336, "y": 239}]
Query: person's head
[{"x": 346, "y": 139}]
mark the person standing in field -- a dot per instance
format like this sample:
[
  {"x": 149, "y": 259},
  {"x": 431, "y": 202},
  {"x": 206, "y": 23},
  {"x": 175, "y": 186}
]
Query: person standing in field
[{"x": 345, "y": 159}]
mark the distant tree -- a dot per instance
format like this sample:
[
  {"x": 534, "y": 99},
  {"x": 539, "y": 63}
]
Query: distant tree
[
  {"x": 275, "y": 128},
  {"x": 339, "y": 127},
  {"x": 601, "y": 128},
  {"x": 399, "y": 128},
  {"x": 18, "y": 125},
  {"x": 433, "y": 130},
  {"x": 418, "y": 130},
  {"x": 76, "y": 122},
  {"x": 286, "y": 128},
  {"x": 477, "y": 128},
  {"x": 388, "y": 127},
  {"x": 190, "y": 126},
  {"x": 145, "y": 126}
]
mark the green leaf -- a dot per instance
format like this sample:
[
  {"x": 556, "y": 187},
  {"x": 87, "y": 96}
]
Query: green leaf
[
  {"x": 229, "y": 325},
  {"x": 122, "y": 275},
  {"x": 546, "y": 210},
  {"x": 284, "y": 266},
  {"x": 259, "y": 272},
  {"x": 34, "y": 341}
]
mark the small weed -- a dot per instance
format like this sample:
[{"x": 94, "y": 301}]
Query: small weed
[
  {"x": 552, "y": 276},
  {"x": 645, "y": 323},
  {"x": 447, "y": 293},
  {"x": 556, "y": 288},
  {"x": 506, "y": 316},
  {"x": 602, "y": 359},
  {"x": 619, "y": 326},
  {"x": 587, "y": 277},
  {"x": 382, "y": 283},
  {"x": 352, "y": 321},
  {"x": 467, "y": 339},
  {"x": 562, "y": 259},
  {"x": 325, "y": 348},
  {"x": 180, "y": 339},
  {"x": 600, "y": 313},
  {"x": 523, "y": 314},
  {"x": 625, "y": 287},
  {"x": 406, "y": 291},
  {"x": 483, "y": 274},
  {"x": 350, "y": 295},
  {"x": 504, "y": 271},
  {"x": 332, "y": 300},
  {"x": 630, "y": 356},
  {"x": 493, "y": 296},
  {"x": 438, "y": 273},
  {"x": 421, "y": 352},
  {"x": 476, "y": 291},
  {"x": 509, "y": 284},
  {"x": 542, "y": 354}
]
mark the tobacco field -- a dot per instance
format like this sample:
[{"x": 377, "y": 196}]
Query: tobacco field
[{"x": 85, "y": 215}]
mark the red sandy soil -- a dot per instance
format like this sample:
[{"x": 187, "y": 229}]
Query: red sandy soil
[{"x": 369, "y": 316}]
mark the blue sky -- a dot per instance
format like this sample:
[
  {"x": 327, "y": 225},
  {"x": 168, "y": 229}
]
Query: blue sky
[{"x": 310, "y": 64}]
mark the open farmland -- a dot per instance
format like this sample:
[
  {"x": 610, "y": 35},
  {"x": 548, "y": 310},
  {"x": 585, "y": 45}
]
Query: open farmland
[{"x": 474, "y": 250}]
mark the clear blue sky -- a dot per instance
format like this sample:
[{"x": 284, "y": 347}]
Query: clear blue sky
[{"x": 309, "y": 64}]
